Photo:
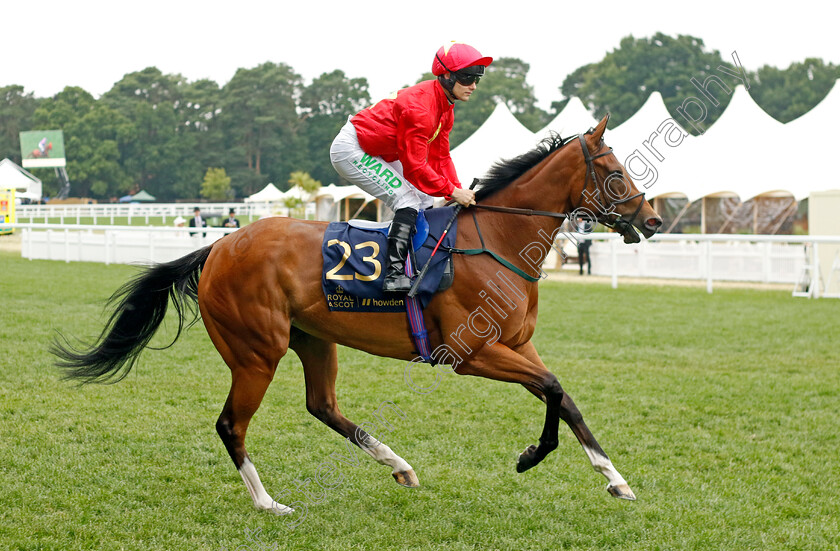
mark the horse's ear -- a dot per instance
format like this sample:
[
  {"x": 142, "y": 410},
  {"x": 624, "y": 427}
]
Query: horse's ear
[{"x": 598, "y": 133}]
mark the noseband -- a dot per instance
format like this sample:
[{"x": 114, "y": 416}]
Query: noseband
[{"x": 606, "y": 210}]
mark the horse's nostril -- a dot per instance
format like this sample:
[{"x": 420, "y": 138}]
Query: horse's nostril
[{"x": 653, "y": 223}]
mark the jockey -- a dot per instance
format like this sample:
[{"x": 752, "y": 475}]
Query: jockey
[{"x": 398, "y": 149}]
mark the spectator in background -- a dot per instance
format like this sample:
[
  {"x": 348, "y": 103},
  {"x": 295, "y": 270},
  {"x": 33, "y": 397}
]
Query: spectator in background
[
  {"x": 584, "y": 224},
  {"x": 231, "y": 221},
  {"x": 179, "y": 222},
  {"x": 583, "y": 251},
  {"x": 197, "y": 221}
]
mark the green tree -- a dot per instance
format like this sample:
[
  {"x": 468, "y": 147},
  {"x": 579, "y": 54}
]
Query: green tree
[
  {"x": 96, "y": 161},
  {"x": 216, "y": 185},
  {"x": 160, "y": 155},
  {"x": 16, "y": 110},
  {"x": 199, "y": 126},
  {"x": 622, "y": 81},
  {"x": 260, "y": 121},
  {"x": 304, "y": 181},
  {"x": 789, "y": 93},
  {"x": 505, "y": 81},
  {"x": 93, "y": 134},
  {"x": 326, "y": 104}
]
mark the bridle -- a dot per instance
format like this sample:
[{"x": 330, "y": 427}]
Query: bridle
[
  {"x": 619, "y": 224},
  {"x": 604, "y": 217},
  {"x": 606, "y": 212}
]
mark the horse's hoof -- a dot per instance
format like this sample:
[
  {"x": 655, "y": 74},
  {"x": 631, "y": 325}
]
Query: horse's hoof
[
  {"x": 406, "y": 478},
  {"x": 622, "y": 491},
  {"x": 527, "y": 459},
  {"x": 279, "y": 509}
]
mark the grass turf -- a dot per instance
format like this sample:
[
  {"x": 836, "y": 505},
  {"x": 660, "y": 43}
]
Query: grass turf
[{"x": 720, "y": 410}]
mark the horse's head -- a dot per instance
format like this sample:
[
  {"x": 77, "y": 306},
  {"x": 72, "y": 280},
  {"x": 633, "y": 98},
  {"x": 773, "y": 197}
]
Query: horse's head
[{"x": 608, "y": 195}]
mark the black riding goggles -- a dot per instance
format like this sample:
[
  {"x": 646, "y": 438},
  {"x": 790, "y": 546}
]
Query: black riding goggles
[
  {"x": 469, "y": 75},
  {"x": 467, "y": 80}
]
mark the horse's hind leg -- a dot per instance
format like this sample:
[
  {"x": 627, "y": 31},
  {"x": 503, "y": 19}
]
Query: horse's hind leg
[
  {"x": 251, "y": 373},
  {"x": 320, "y": 367},
  {"x": 247, "y": 390}
]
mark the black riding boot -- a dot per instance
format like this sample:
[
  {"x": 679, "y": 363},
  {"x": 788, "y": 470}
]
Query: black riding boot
[{"x": 399, "y": 241}]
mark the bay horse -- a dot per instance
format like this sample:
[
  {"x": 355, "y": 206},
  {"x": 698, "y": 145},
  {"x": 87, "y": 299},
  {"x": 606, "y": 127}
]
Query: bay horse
[{"x": 259, "y": 294}]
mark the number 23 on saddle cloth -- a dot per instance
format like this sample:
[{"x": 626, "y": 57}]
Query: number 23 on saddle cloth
[{"x": 355, "y": 258}]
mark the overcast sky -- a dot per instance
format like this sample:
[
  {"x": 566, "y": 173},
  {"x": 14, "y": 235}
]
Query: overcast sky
[{"x": 46, "y": 45}]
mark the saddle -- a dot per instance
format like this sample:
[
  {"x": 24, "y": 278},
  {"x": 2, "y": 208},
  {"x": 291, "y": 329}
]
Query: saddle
[{"x": 354, "y": 255}]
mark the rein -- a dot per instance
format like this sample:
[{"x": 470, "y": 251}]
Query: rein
[
  {"x": 620, "y": 225},
  {"x": 525, "y": 212}
]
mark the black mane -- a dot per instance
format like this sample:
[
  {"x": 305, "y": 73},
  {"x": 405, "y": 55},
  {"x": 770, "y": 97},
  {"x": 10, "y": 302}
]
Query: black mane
[{"x": 505, "y": 171}]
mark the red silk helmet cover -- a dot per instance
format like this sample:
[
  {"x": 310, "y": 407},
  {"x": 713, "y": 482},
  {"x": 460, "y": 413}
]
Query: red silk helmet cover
[{"x": 456, "y": 56}]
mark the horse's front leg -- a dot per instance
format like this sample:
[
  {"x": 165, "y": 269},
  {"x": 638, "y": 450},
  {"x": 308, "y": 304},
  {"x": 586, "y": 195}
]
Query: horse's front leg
[
  {"x": 500, "y": 363},
  {"x": 569, "y": 412}
]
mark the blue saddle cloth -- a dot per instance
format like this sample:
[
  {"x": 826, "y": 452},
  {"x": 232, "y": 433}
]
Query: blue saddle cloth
[{"x": 355, "y": 260}]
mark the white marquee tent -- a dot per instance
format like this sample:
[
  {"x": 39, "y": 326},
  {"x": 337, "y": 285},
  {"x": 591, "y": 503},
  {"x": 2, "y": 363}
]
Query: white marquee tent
[
  {"x": 271, "y": 193},
  {"x": 572, "y": 119},
  {"x": 813, "y": 140},
  {"x": 745, "y": 153},
  {"x": 653, "y": 148},
  {"x": 296, "y": 193},
  {"x": 501, "y": 136},
  {"x": 14, "y": 177},
  {"x": 267, "y": 194},
  {"x": 328, "y": 199},
  {"x": 815, "y": 121},
  {"x": 339, "y": 193},
  {"x": 737, "y": 154}
]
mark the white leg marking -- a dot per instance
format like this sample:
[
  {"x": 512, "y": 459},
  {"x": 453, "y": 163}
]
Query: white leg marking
[
  {"x": 604, "y": 466},
  {"x": 384, "y": 455},
  {"x": 261, "y": 498}
]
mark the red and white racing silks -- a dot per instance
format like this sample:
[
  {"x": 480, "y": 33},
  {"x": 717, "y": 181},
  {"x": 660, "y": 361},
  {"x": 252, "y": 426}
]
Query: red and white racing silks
[{"x": 413, "y": 127}]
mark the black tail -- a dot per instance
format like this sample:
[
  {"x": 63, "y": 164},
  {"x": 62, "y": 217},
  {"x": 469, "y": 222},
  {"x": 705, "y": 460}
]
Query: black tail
[{"x": 140, "y": 308}]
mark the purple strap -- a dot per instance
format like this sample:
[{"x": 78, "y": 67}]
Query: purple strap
[{"x": 415, "y": 320}]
